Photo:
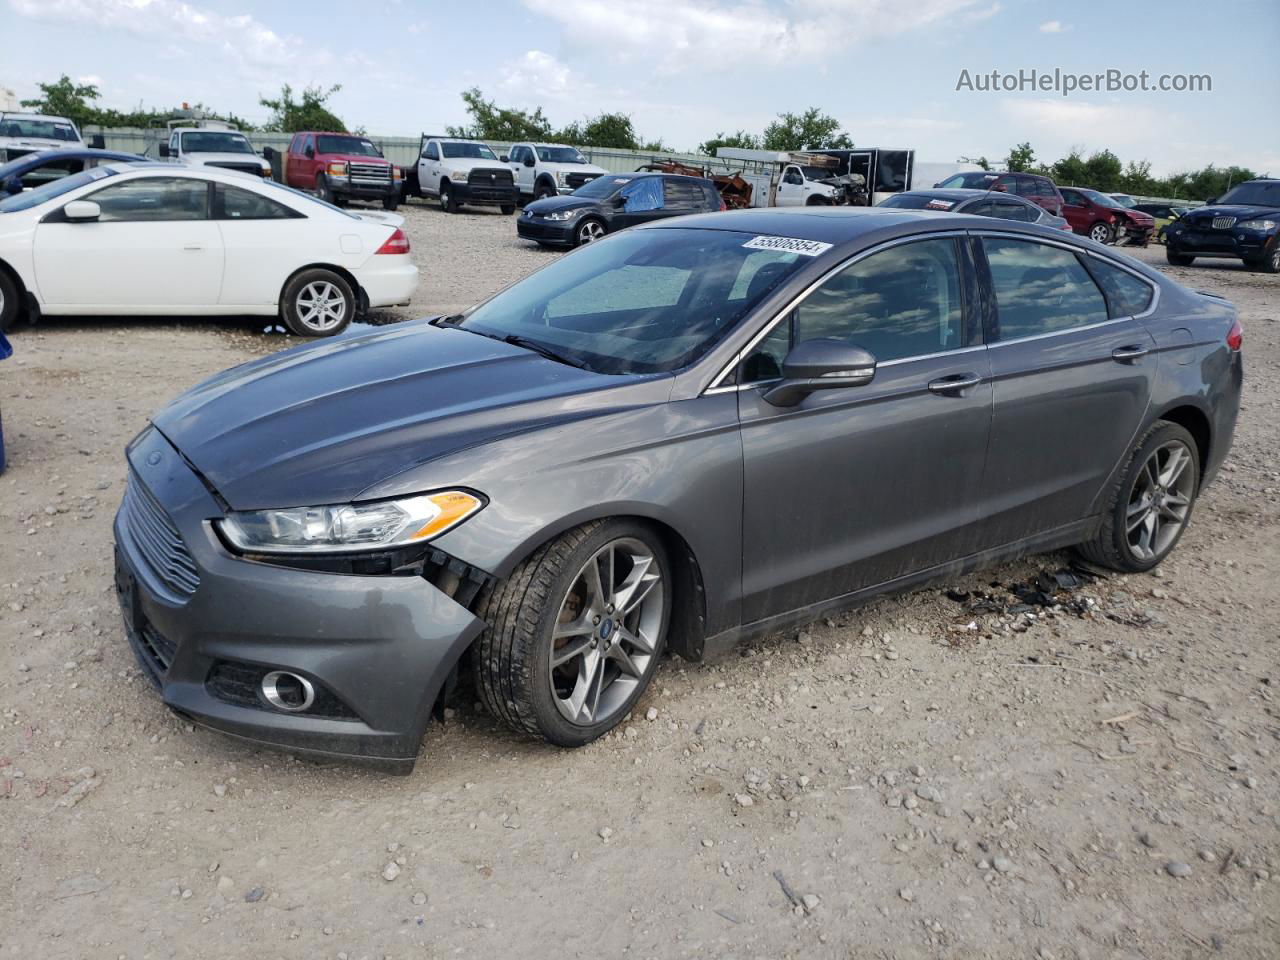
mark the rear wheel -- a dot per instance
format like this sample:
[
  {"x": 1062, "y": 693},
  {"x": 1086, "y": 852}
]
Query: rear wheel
[
  {"x": 1101, "y": 232},
  {"x": 9, "y": 302},
  {"x": 1177, "y": 259},
  {"x": 1151, "y": 502},
  {"x": 447, "y": 203},
  {"x": 576, "y": 632},
  {"x": 589, "y": 231},
  {"x": 318, "y": 303}
]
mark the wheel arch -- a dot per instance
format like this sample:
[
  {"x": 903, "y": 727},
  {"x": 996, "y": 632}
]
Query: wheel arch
[
  {"x": 1196, "y": 421},
  {"x": 343, "y": 272},
  {"x": 26, "y": 297},
  {"x": 546, "y": 180}
]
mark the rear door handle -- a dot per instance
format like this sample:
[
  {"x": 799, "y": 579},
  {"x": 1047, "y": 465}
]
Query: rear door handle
[
  {"x": 955, "y": 383},
  {"x": 1130, "y": 353},
  {"x": 193, "y": 246}
]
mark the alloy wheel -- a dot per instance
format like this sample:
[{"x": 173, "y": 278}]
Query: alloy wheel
[
  {"x": 1160, "y": 501},
  {"x": 590, "y": 231},
  {"x": 607, "y": 631},
  {"x": 321, "y": 306},
  {"x": 1099, "y": 232}
]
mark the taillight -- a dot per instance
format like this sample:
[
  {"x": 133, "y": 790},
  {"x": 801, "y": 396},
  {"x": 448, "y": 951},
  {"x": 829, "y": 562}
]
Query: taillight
[
  {"x": 723, "y": 205},
  {"x": 396, "y": 243},
  {"x": 1235, "y": 336}
]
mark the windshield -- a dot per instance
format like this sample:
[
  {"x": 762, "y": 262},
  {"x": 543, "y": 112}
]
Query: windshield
[
  {"x": 1101, "y": 199},
  {"x": 978, "y": 180},
  {"x": 55, "y": 188},
  {"x": 1125, "y": 200},
  {"x": 45, "y": 129},
  {"x": 560, "y": 155},
  {"x": 356, "y": 146},
  {"x": 477, "y": 151},
  {"x": 215, "y": 141},
  {"x": 1262, "y": 194},
  {"x": 917, "y": 201},
  {"x": 642, "y": 301},
  {"x": 602, "y": 187}
]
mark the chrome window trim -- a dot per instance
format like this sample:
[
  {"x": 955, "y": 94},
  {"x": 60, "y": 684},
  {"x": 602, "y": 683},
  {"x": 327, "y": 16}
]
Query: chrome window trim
[{"x": 715, "y": 386}]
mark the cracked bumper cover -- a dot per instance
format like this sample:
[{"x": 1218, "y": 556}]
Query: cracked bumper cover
[{"x": 381, "y": 645}]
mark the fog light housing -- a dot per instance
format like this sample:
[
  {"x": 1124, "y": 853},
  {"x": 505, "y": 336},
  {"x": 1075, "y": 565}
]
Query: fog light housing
[{"x": 288, "y": 691}]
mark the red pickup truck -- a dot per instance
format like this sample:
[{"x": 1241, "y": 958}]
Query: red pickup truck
[{"x": 341, "y": 167}]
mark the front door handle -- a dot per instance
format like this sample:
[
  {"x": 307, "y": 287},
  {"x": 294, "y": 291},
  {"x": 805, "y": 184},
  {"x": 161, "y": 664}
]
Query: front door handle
[
  {"x": 194, "y": 246},
  {"x": 955, "y": 383},
  {"x": 1134, "y": 351}
]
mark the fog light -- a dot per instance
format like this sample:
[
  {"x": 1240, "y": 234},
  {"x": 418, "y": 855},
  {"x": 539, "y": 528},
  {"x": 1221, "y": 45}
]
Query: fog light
[{"x": 288, "y": 691}]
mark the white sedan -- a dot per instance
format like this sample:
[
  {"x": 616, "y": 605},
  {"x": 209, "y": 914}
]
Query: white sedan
[{"x": 153, "y": 239}]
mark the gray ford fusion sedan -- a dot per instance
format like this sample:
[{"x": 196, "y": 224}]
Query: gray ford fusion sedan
[{"x": 687, "y": 434}]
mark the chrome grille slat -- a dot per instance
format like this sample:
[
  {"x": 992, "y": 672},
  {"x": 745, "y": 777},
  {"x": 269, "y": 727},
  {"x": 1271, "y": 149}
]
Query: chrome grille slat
[
  {"x": 1223, "y": 223},
  {"x": 158, "y": 541},
  {"x": 380, "y": 172}
]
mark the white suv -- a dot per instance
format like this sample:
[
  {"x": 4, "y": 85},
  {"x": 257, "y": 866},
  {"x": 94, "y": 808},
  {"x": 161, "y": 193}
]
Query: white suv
[
  {"x": 548, "y": 169},
  {"x": 23, "y": 133},
  {"x": 214, "y": 146}
]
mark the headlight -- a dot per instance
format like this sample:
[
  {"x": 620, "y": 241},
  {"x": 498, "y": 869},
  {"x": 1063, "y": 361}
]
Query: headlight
[
  {"x": 1257, "y": 225},
  {"x": 562, "y": 178},
  {"x": 561, "y": 214},
  {"x": 338, "y": 168},
  {"x": 459, "y": 174},
  {"x": 397, "y": 173},
  {"x": 351, "y": 526}
]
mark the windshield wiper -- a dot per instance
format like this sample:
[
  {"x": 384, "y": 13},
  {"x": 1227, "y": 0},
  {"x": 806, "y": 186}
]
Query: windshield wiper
[{"x": 518, "y": 341}]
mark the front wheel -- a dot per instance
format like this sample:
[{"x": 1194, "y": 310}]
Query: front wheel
[
  {"x": 589, "y": 231},
  {"x": 576, "y": 632},
  {"x": 507, "y": 209},
  {"x": 318, "y": 303},
  {"x": 1101, "y": 232},
  {"x": 447, "y": 203},
  {"x": 1151, "y": 502},
  {"x": 8, "y": 301},
  {"x": 1177, "y": 259},
  {"x": 390, "y": 203},
  {"x": 1270, "y": 262}
]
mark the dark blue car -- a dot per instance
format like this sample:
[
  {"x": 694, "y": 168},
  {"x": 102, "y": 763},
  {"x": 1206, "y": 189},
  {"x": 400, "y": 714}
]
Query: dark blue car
[
  {"x": 1243, "y": 223},
  {"x": 36, "y": 169}
]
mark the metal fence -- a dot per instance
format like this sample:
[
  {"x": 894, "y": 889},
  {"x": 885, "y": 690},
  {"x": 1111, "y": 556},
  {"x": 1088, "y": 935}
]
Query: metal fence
[{"x": 403, "y": 150}]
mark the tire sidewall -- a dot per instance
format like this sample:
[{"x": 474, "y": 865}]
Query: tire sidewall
[
  {"x": 577, "y": 233},
  {"x": 554, "y": 727},
  {"x": 289, "y": 306},
  {"x": 1120, "y": 541},
  {"x": 10, "y": 306},
  {"x": 1107, "y": 235}
]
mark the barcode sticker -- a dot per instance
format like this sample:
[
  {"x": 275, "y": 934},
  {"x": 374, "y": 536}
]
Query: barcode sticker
[{"x": 805, "y": 248}]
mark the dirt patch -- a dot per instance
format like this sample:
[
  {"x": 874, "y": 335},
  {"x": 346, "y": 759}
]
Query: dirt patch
[{"x": 1093, "y": 776}]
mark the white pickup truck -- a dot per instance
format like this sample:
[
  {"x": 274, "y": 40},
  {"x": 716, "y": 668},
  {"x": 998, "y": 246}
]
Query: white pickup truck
[
  {"x": 214, "y": 145},
  {"x": 23, "y": 133},
  {"x": 457, "y": 172},
  {"x": 549, "y": 169}
]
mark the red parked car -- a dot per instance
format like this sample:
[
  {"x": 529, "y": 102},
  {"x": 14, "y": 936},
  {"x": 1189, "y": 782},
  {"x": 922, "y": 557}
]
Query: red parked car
[
  {"x": 1029, "y": 186},
  {"x": 1105, "y": 219},
  {"x": 340, "y": 167}
]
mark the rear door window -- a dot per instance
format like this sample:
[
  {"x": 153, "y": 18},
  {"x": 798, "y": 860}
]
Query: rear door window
[
  {"x": 643, "y": 195},
  {"x": 1040, "y": 289},
  {"x": 681, "y": 194}
]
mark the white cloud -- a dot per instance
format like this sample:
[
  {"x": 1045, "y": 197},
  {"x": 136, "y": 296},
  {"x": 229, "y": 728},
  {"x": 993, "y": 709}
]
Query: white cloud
[
  {"x": 1053, "y": 26},
  {"x": 242, "y": 37},
  {"x": 90, "y": 78},
  {"x": 985, "y": 13},
  {"x": 715, "y": 35},
  {"x": 536, "y": 76}
]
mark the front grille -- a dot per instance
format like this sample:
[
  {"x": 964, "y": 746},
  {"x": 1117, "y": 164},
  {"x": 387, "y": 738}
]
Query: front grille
[
  {"x": 575, "y": 180},
  {"x": 157, "y": 540},
  {"x": 1223, "y": 223},
  {"x": 378, "y": 172},
  {"x": 254, "y": 168},
  {"x": 490, "y": 183}
]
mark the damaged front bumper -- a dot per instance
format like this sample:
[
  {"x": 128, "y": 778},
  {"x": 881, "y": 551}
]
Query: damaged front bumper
[{"x": 207, "y": 626}]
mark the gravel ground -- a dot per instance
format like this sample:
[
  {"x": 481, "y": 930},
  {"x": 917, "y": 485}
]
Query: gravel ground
[{"x": 932, "y": 775}]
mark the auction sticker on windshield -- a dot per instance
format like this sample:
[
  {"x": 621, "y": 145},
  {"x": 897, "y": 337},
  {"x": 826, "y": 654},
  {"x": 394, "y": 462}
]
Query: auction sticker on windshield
[
  {"x": 940, "y": 204},
  {"x": 806, "y": 248}
]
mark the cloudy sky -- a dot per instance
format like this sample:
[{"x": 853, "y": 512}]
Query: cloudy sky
[{"x": 685, "y": 69}]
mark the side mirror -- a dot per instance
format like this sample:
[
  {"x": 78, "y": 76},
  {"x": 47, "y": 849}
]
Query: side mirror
[
  {"x": 528, "y": 161},
  {"x": 504, "y": 158},
  {"x": 98, "y": 142},
  {"x": 619, "y": 201},
  {"x": 1211, "y": 200},
  {"x": 164, "y": 150},
  {"x": 268, "y": 152},
  {"x": 824, "y": 364},
  {"x": 309, "y": 152},
  {"x": 82, "y": 211}
]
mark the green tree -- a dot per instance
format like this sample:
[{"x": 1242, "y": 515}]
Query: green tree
[
  {"x": 607, "y": 130},
  {"x": 309, "y": 113},
  {"x": 63, "y": 98},
  {"x": 491, "y": 122},
  {"x": 1070, "y": 171},
  {"x": 1103, "y": 170},
  {"x": 741, "y": 139},
  {"x": 1021, "y": 158},
  {"x": 813, "y": 128}
]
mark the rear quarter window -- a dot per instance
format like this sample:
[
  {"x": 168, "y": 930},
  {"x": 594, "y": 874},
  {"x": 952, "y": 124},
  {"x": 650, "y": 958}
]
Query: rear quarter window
[{"x": 1127, "y": 295}]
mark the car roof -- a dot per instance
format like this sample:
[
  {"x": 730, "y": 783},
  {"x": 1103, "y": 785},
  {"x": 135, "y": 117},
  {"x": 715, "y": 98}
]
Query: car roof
[
  {"x": 16, "y": 115},
  {"x": 124, "y": 156},
  {"x": 950, "y": 193}
]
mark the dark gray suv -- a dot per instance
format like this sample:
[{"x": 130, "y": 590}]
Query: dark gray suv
[{"x": 687, "y": 434}]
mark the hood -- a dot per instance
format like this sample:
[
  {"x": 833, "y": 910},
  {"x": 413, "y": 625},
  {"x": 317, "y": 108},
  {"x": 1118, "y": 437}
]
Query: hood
[
  {"x": 554, "y": 167},
  {"x": 1241, "y": 211},
  {"x": 320, "y": 423},
  {"x": 38, "y": 143},
  {"x": 567, "y": 202},
  {"x": 473, "y": 163},
  {"x": 1140, "y": 216}
]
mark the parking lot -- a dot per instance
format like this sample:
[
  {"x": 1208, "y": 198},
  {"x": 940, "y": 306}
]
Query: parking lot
[{"x": 948, "y": 773}]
